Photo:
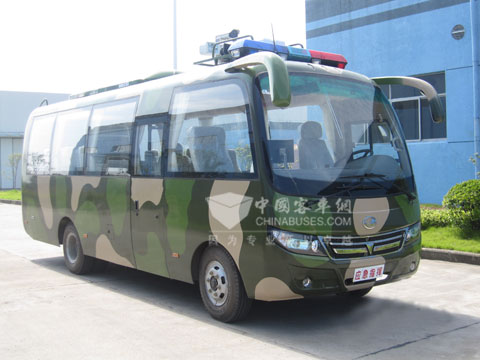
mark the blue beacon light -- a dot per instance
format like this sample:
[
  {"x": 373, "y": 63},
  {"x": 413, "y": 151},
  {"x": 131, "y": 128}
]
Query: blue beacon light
[{"x": 298, "y": 54}]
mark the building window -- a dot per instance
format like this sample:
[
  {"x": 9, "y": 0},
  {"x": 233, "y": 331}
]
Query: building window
[{"x": 413, "y": 110}]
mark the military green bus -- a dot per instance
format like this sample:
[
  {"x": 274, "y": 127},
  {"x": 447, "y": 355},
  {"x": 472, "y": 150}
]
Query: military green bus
[{"x": 273, "y": 174}]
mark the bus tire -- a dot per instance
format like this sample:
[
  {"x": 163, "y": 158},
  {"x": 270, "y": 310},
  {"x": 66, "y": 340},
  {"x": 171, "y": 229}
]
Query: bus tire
[
  {"x": 75, "y": 260},
  {"x": 221, "y": 286}
]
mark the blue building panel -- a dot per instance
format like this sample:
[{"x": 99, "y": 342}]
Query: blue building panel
[
  {"x": 446, "y": 166},
  {"x": 459, "y": 105},
  {"x": 409, "y": 37},
  {"x": 413, "y": 45}
]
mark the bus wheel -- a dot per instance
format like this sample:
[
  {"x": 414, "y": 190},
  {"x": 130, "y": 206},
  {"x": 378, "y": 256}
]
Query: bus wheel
[
  {"x": 221, "y": 286},
  {"x": 73, "y": 255}
]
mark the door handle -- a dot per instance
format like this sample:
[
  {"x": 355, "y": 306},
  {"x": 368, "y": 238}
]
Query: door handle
[{"x": 136, "y": 207}]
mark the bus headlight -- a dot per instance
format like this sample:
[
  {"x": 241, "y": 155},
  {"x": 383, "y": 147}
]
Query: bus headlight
[
  {"x": 413, "y": 233},
  {"x": 298, "y": 243}
]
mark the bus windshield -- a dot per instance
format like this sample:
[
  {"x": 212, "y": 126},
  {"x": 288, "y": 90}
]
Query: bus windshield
[{"x": 338, "y": 137}]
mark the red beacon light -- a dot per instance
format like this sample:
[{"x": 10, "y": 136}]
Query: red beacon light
[{"x": 329, "y": 59}]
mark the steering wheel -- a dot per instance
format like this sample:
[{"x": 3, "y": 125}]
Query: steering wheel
[{"x": 365, "y": 151}]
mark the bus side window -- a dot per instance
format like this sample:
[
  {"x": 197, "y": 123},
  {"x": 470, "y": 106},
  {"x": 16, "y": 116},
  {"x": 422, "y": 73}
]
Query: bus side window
[
  {"x": 148, "y": 151},
  {"x": 38, "y": 154},
  {"x": 209, "y": 132},
  {"x": 69, "y": 142},
  {"x": 109, "y": 138}
]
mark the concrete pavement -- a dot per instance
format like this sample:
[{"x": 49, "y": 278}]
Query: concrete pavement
[{"x": 48, "y": 313}]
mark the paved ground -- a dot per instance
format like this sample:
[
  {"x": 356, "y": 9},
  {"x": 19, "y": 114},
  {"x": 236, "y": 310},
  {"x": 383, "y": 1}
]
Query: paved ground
[{"x": 48, "y": 313}]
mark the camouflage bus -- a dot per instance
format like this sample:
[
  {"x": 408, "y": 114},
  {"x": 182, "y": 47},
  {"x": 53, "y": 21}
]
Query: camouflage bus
[{"x": 273, "y": 175}]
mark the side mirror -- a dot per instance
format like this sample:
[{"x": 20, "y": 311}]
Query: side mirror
[
  {"x": 277, "y": 74},
  {"x": 436, "y": 107}
]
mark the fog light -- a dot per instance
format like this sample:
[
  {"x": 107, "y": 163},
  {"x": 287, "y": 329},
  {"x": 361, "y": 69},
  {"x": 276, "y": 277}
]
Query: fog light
[
  {"x": 307, "y": 282},
  {"x": 413, "y": 265}
]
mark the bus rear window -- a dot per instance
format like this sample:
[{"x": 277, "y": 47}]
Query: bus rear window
[{"x": 38, "y": 155}]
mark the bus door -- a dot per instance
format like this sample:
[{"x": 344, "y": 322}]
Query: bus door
[
  {"x": 101, "y": 199},
  {"x": 148, "y": 206}
]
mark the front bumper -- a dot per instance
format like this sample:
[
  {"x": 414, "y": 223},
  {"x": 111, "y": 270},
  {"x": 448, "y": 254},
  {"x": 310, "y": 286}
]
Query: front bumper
[{"x": 331, "y": 276}]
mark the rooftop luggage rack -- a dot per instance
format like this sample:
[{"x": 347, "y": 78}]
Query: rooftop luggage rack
[{"x": 156, "y": 76}]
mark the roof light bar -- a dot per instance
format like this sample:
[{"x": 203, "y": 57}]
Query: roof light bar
[
  {"x": 228, "y": 48},
  {"x": 330, "y": 59},
  {"x": 244, "y": 47},
  {"x": 298, "y": 54}
]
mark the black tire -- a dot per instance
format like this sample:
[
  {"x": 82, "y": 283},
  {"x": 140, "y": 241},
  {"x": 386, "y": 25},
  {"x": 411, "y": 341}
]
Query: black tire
[
  {"x": 216, "y": 268},
  {"x": 75, "y": 260}
]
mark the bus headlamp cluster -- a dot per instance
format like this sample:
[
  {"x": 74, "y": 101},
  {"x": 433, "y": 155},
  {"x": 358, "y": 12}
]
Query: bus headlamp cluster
[
  {"x": 413, "y": 232},
  {"x": 298, "y": 243}
]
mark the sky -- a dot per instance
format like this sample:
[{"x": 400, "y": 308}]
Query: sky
[{"x": 68, "y": 46}]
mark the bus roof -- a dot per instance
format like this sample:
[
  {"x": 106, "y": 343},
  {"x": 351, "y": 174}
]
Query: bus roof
[{"x": 155, "y": 94}]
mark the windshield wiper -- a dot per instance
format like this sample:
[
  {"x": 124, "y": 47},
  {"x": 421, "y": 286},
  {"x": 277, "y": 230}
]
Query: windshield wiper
[
  {"x": 370, "y": 177},
  {"x": 363, "y": 176},
  {"x": 347, "y": 188}
]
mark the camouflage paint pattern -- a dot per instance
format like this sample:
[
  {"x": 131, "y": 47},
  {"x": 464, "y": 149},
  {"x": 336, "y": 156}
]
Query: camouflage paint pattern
[
  {"x": 227, "y": 207},
  {"x": 174, "y": 220},
  {"x": 162, "y": 225},
  {"x": 101, "y": 215}
]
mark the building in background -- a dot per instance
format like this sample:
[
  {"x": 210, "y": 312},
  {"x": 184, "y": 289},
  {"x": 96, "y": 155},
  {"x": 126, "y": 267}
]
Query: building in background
[
  {"x": 430, "y": 39},
  {"x": 15, "y": 107}
]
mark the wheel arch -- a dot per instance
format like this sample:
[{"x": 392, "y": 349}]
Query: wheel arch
[
  {"x": 197, "y": 256},
  {"x": 61, "y": 228},
  {"x": 195, "y": 263}
]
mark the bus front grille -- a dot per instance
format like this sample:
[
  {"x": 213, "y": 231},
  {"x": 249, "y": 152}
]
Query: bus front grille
[{"x": 346, "y": 247}]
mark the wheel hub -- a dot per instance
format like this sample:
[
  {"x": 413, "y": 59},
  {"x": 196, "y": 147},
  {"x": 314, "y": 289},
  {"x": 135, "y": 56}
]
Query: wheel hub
[
  {"x": 213, "y": 283},
  {"x": 216, "y": 283},
  {"x": 71, "y": 248}
]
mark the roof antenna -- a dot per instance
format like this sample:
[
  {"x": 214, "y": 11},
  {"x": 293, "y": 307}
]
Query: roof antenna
[
  {"x": 44, "y": 101},
  {"x": 273, "y": 37}
]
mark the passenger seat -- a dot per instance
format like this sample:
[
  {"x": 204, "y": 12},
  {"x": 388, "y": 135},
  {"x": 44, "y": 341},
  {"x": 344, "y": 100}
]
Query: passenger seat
[
  {"x": 152, "y": 163},
  {"x": 208, "y": 150},
  {"x": 313, "y": 151}
]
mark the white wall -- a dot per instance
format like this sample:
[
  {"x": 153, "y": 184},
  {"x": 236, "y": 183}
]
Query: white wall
[{"x": 15, "y": 107}]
